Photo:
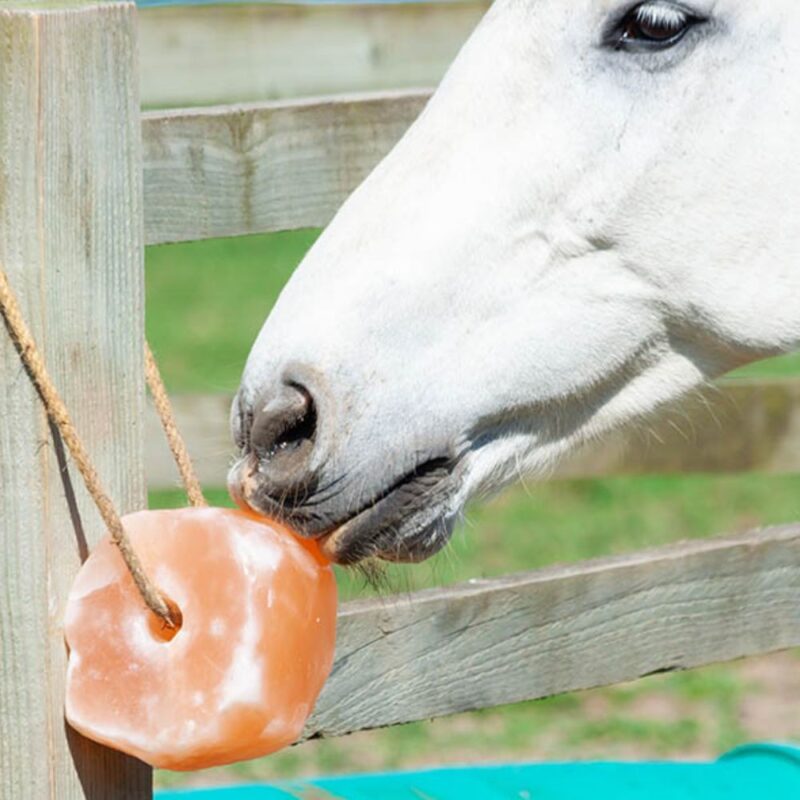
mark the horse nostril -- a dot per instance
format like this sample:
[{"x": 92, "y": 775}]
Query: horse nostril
[
  {"x": 283, "y": 431},
  {"x": 284, "y": 426}
]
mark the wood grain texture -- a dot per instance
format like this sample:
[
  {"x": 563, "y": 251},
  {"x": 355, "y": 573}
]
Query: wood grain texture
[
  {"x": 251, "y": 52},
  {"x": 737, "y": 426},
  {"x": 269, "y": 167},
  {"x": 71, "y": 241},
  {"x": 522, "y": 637},
  {"x": 741, "y": 427}
]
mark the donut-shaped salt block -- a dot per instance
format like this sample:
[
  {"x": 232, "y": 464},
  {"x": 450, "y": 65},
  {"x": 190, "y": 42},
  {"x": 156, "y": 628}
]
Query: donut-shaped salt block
[{"x": 239, "y": 677}]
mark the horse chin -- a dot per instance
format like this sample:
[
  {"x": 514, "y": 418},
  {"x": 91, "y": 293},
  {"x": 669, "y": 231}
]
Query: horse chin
[{"x": 410, "y": 539}]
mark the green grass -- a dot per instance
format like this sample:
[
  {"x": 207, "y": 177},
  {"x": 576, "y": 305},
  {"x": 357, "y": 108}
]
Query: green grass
[
  {"x": 207, "y": 301},
  {"x": 783, "y": 367}
]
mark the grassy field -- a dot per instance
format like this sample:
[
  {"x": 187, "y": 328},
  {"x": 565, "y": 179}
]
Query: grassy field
[{"x": 206, "y": 302}]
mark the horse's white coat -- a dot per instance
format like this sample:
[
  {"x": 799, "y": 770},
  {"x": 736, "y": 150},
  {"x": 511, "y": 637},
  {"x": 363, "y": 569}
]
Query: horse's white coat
[{"x": 569, "y": 237}]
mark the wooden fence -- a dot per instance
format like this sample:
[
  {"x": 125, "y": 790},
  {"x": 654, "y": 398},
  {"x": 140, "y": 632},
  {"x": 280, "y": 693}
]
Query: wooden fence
[{"x": 86, "y": 181}]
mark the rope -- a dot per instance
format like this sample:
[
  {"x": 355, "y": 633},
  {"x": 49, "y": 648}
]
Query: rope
[
  {"x": 176, "y": 444},
  {"x": 59, "y": 416}
]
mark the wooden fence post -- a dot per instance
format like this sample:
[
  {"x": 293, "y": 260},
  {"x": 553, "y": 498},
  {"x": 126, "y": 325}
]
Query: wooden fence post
[{"x": 71, "y": 241}]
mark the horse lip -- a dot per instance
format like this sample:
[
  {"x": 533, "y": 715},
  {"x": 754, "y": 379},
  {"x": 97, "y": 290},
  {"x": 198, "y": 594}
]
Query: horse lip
[
  {"x": 353, "y": 541},
  {"x": 355, "y": 538},
  {"x": 358, "y": 536},
  {"x": 329, "y": 542}
]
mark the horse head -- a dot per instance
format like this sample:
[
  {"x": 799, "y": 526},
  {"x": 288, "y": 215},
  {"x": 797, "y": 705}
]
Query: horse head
[{"x": 598, "y": 211}]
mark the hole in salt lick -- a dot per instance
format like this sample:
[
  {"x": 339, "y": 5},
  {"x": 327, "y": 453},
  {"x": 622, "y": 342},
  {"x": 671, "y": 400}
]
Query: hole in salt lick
[{"x": 160, "y": 630}]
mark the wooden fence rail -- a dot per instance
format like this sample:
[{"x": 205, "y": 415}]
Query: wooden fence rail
[
  {"x": 742, "y": 426},
  {"x": 247, "y": 52},
  {"x": 487, "y": 643},
  {"x": 268, "y": 167}
]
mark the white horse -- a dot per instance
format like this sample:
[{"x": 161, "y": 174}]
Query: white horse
[{"x": 598, "y": 211}]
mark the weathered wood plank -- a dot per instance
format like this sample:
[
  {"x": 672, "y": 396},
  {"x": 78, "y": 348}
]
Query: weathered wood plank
[
  {"x": 249, "y": 52},
  {"x": 203, "y": 422},
  {"x": 269, "y": 167},
  {"x": 739, "y": 426},
  {"x": 488, "y": 643},
  {"x": 71, "y": 241},
  {"x": 742, "y": 427}
]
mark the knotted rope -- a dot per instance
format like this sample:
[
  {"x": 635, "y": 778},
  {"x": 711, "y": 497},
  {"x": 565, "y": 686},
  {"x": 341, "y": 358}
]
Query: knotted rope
[{"x": 59, "y": 415}]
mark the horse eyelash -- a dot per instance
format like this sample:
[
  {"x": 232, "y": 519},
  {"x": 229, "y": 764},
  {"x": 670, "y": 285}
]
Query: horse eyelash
[{"x": 658, "y": 14}]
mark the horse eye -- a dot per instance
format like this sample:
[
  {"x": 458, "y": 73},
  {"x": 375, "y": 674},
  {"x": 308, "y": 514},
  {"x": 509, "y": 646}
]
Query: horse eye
[{"x": 652, "y": 25}]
